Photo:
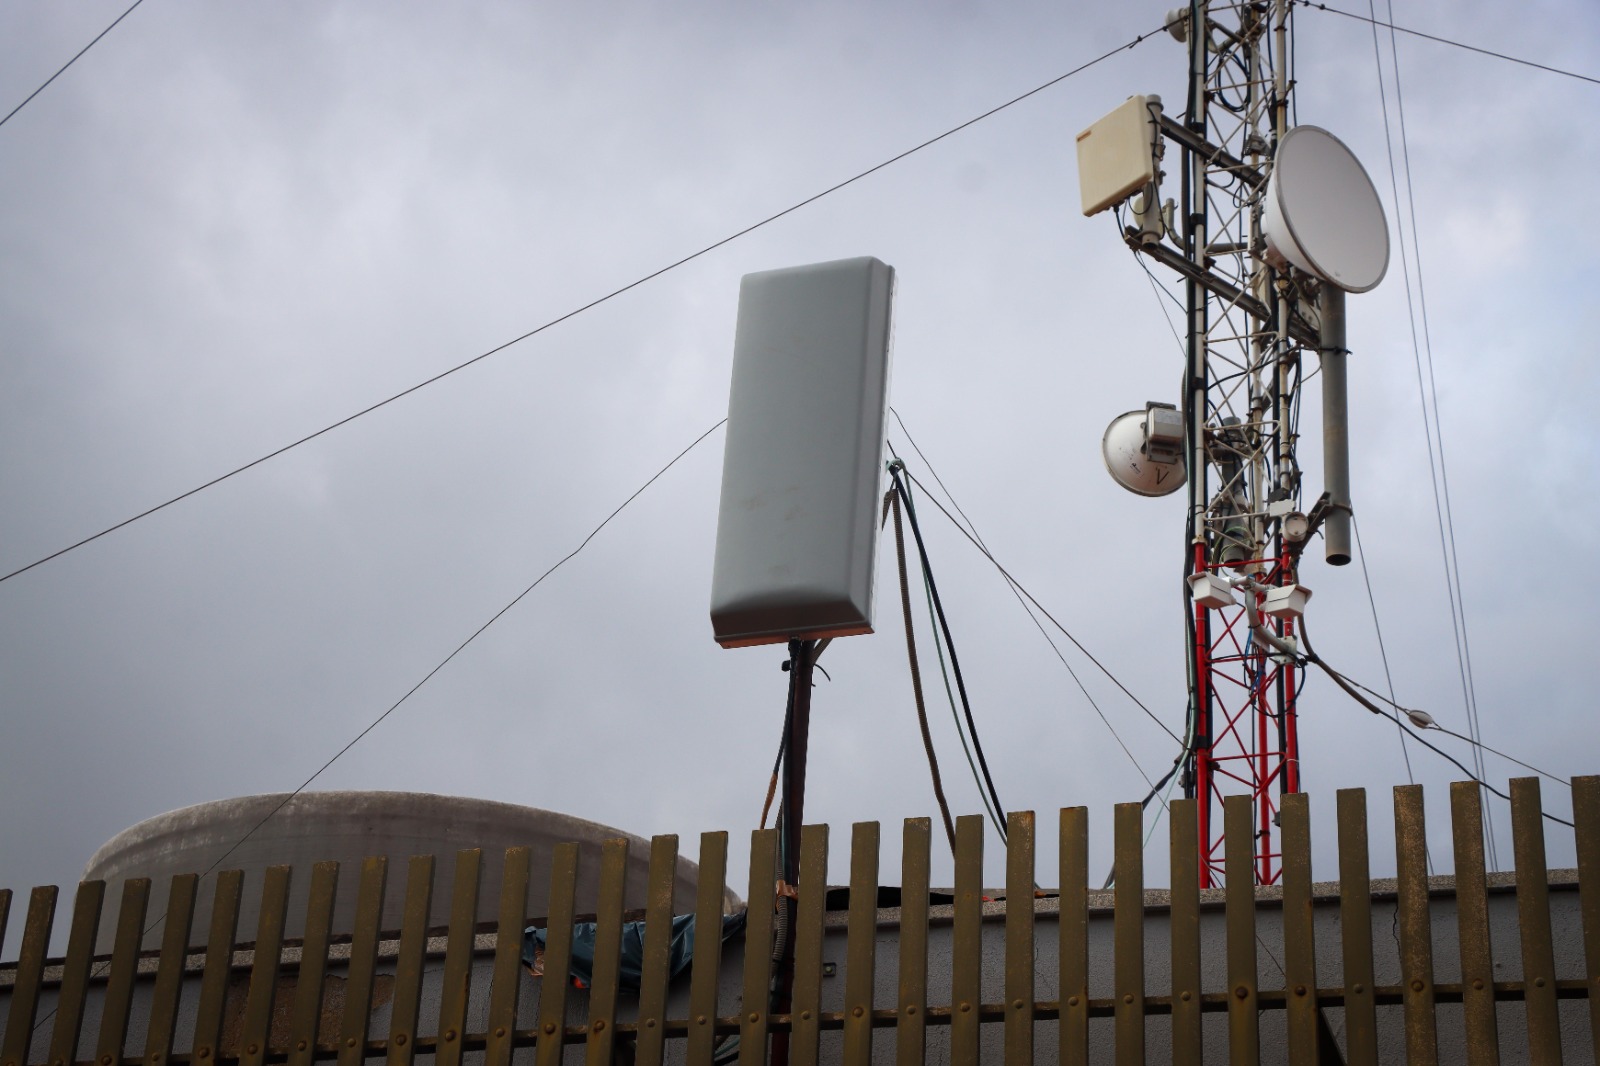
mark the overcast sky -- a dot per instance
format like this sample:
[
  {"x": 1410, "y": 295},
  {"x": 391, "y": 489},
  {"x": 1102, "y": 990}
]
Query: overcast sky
[{"x": 230, "y": 225}]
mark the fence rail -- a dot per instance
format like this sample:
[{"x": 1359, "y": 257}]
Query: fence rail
[{"x": 1179, "y": 980}]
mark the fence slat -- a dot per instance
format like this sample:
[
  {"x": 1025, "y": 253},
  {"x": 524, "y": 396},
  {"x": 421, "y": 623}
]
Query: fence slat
[
  {"x": 966, "y": 964},
  {"x": 1019, "y": 938},
  {"x": 363, "y": 960},
  {"x": 1586, "y": 817},
  {"x": 1187, "y": 1047},
  {"x": 706, "y": 970},
  {"x": 1244, "y": 1022},
  {"x": 557, "y": 954},
  {"x": 607, "y": 951},
  {"x": 458, "y": 957},
  {"x": 1355, "y": 930},
  {"x": 650, "y": 1042},
  {"x": 1074, "y": 934},
  {"x": 806, "y": 1003},
  {"x": 1472, "y": 925},
  {"x": 220, "y": 936},
  {"x": 410, "y": 962},
  {"x": 1533, "y": 918},
  {"x": 1128, "y": 932},
  {"x": 911, "y": 1026},
  {"x": 257, "y": 1028},
  {"x": 754, "y": 1007},
  {"x": 169, "y": 970},
  {"x": 506, "y": 984},
  {"x": 124, "y": 970},
  {"x": 30, "y": 971},
  {"x": 861, "y": 944},
  {"x": 305, "y": 1013},
  {"x": 1299, "y": 930},
  {"x": 5, "y": 912},
  {"x": 1416, "y": 934},
  {"x": 74, "y": 988}
]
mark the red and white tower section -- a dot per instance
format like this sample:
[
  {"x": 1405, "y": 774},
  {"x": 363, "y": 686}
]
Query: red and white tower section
[{"x": 1268, "y": 225}]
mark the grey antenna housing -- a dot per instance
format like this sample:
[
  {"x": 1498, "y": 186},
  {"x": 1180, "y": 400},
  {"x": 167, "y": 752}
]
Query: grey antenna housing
[{"x": 802, "y": 473}]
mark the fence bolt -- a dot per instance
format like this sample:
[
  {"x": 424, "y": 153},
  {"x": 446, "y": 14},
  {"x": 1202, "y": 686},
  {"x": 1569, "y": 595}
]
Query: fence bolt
[
  {"x": 599, "y": 1024},
  {"x": 1416, "y": 986},
  {"x": 1242, "y": 992},
  {"x": 1299, "y": 990},
  {"x": 550, "y": 1028},
  {"x": 500, "y": 1032}
]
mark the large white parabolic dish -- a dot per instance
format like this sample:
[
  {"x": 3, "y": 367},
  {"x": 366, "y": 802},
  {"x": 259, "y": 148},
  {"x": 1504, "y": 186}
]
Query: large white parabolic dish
[
  {"x": 1322, "y": 212},
  {"x": 1122, "y": 448}
]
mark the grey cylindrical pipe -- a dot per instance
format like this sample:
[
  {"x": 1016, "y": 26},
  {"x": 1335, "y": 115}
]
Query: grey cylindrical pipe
[{"x": 1335, "y": 426}]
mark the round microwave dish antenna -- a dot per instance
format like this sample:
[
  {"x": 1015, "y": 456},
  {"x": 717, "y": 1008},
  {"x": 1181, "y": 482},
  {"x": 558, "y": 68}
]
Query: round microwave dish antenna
[
  {"x": 1122, "y": 447},
  {"x": 1323, "y": 214}
]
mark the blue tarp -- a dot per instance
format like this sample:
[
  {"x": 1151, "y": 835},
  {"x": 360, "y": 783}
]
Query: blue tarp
[{"x": 679, "y": 954}]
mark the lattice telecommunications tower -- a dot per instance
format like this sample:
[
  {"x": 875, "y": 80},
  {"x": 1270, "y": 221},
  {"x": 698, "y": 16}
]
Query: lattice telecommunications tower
[{"x": 1270, "y": 226}]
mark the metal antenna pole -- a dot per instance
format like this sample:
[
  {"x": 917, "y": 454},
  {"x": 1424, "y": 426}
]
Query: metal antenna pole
[
  {"x": 802, "y": 658},
  {"x": 797, "y": 737},
  {"x": 1335, "y": 427},
  {"x": 1198, "y": 775}
]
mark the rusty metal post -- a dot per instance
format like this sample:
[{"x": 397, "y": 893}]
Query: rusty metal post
[
  {"x": 797, "y": 736},
  {"x": 796, "y": 739}
]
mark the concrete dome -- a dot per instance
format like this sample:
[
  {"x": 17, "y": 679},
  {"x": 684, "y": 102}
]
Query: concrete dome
[{"x": 347, "y": 827}]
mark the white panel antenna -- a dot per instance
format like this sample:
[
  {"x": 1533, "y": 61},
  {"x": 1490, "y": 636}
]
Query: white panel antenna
[
  {"x": 1117, "y": 155},
  {"x": 803, "y": 464}
]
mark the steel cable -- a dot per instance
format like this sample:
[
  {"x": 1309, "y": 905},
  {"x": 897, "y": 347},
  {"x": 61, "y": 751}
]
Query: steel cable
[{"x": 916, "y": 675}]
